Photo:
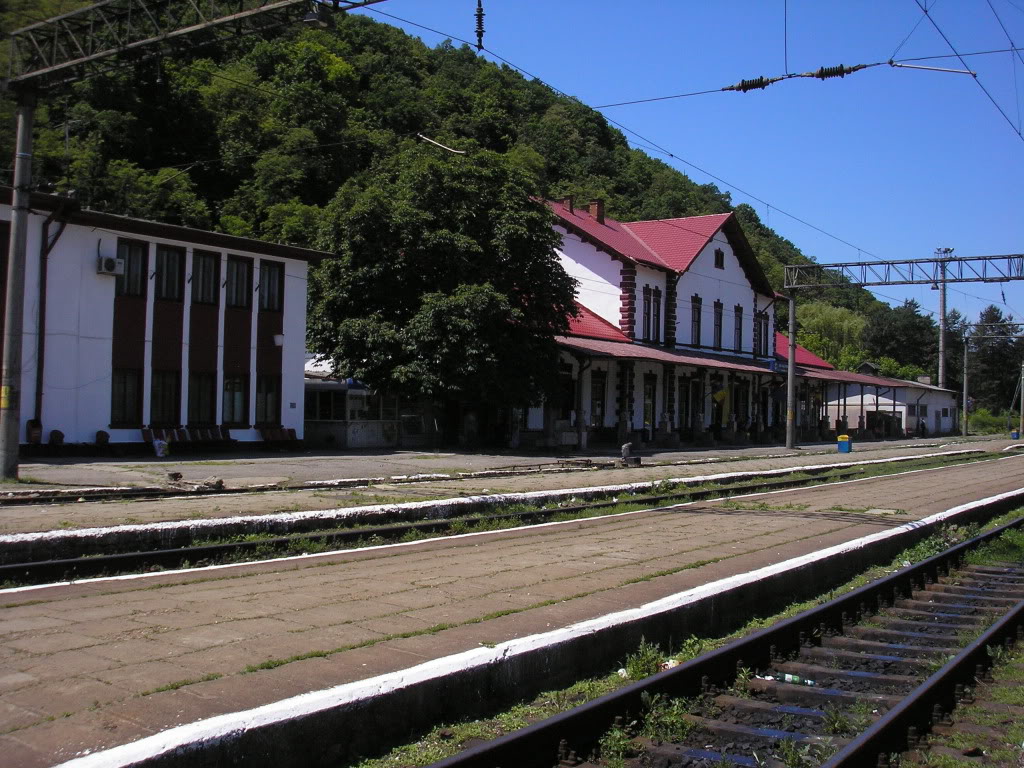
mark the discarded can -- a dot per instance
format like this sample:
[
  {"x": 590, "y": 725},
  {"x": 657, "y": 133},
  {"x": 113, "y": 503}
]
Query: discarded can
[{"x": 797, "y": 680}]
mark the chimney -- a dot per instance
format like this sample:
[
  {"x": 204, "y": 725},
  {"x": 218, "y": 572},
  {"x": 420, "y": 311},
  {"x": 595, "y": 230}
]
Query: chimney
[
  {"x": 597, "y": 210},
  {"x": 924, "y": 379},
  {"x": 567, "y": 202}
]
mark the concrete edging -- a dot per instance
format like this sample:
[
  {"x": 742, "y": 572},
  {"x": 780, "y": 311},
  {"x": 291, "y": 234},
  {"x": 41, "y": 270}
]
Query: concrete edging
[{"x": 322, "y": 727}]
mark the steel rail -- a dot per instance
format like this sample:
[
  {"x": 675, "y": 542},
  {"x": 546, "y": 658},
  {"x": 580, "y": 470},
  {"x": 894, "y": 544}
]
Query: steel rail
[
  {"x": 928, "y": 702},
  {"x": 581, "y": 728}
]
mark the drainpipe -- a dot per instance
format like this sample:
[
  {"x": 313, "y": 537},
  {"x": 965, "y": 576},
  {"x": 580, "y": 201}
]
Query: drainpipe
[
  {"x": 46, "y": 245},
  {"x": 917, "y": 410}
]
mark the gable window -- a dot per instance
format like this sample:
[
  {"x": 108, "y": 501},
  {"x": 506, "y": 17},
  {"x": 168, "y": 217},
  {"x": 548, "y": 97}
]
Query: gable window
[
  {"x": 133, "y": 281},
  {"x": 695, "y": 311},
  {"x": 738, "y": 329},
  {"x": 125, "y": 399},
  {"x": 656, "y": 321},
  {"x": 271, "y": 285},
  {"x": 718, "y": 324},
  {"x": 205, "y": 277},
  {"x": 170, "y": 265},
  {"x": 761, "y": 334},
  {"x": 646, "y": 316},
  {"x": 719, "y": 258},
  {"x": 239, "y": 283}
]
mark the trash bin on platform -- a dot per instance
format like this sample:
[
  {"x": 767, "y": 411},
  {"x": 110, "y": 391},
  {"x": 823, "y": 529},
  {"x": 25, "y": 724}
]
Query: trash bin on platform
[
  {"x": 1015, "y": 435},
  {"x": 845, "y": 444}
]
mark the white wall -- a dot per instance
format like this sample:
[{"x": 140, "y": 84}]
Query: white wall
[
  {"x": 597, "y": 273},
  {"x": 729, "y": 286}
]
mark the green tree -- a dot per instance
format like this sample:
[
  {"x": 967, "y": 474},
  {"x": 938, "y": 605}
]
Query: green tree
[
  {"x": 831, "y": 332},
  {"x": 902, "y": 333},
  {"x": 994, "y": 363},
  {"x": 446, "y": 283}
]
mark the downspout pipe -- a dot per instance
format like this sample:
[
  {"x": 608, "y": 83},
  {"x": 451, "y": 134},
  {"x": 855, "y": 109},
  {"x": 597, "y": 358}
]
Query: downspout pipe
[{"x": 46, "y": 245}]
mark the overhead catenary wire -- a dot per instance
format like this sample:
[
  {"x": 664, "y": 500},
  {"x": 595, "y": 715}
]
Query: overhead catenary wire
[{"x": 924, "y": 10}]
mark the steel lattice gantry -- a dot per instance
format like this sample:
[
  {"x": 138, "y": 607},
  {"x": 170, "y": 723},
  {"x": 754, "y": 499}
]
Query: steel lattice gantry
[
  {"x": 109, "y": 34},
  {"x": 944, "y": 269}
]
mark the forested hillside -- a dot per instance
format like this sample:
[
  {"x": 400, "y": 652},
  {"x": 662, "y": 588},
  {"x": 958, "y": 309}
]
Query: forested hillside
[{"x": 310, "y": 137}]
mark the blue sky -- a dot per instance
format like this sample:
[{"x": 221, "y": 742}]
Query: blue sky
[{"x": 896, "y": 162}]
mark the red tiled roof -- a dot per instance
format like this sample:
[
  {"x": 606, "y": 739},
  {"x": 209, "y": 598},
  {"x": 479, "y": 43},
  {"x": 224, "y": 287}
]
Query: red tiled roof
[
  {"x": 678, "y": 241},
  {"x": 618, "y": 350},
  {"x": 589, "y": 324},
  {"x": 669, "y": 244},
  {"x": 804, "y": 356},
  {"x": 610, "y": 234}
]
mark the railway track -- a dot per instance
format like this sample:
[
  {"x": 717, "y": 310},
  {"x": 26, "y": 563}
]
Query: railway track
[
  {"x": 853, "y": 682},
  {"x": 91, "y": 564}
]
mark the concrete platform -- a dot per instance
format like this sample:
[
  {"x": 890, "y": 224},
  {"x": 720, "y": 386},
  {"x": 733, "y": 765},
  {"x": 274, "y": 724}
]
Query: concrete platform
[
  {"x": 298, "y": 469},
  {"x": 93, "y": 665}
]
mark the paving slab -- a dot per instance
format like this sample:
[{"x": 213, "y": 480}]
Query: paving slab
[{"x": 493, "y": 587}]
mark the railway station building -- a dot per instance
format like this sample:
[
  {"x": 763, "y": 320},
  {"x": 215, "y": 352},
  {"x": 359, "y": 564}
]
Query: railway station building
[{"x": 133, "y": 326}]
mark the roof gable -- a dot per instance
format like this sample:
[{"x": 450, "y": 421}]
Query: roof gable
[{"x": 668, "y": 244}]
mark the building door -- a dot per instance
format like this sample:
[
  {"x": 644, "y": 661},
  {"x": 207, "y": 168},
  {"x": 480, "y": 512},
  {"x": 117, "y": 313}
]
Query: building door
[{"x": 938, "y": 421}]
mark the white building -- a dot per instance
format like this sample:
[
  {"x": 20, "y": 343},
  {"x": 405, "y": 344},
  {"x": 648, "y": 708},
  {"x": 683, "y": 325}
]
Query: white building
[{"x": 132, "y": 325}]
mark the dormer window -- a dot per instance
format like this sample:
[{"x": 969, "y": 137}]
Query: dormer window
[{"x": 719, "y": 258}]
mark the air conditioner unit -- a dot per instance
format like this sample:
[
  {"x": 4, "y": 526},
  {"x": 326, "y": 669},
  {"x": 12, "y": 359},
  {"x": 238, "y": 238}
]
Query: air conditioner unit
[{"x": 109, "y": 265}]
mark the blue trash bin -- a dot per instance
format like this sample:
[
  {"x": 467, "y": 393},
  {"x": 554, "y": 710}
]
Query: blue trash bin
[
  {"x": 845, "y": 444},
  {"x": 1015, "y": 435}
]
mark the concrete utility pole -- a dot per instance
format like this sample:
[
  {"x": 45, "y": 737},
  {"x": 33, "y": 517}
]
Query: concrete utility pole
[
  {"x": 963, "y": 425},
  {"x": 10, "y": 385},
  {"x": 1021, "y": 427},
  {"x": 791, "y": 377},
  {"x": 939, "y": 253}
]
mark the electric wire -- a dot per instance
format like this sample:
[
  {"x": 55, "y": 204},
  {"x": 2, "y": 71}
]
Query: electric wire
[
  {"x": 654, "y": 146},
  {"x": 984, "y": 90}
]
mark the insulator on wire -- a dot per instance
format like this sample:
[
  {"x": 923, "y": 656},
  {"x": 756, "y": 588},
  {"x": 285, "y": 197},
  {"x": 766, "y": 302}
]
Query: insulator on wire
[
  {"x": 841, "y": 71},
  {"x": 749, "y": 85},
  {"x": 479, "y": 25}
]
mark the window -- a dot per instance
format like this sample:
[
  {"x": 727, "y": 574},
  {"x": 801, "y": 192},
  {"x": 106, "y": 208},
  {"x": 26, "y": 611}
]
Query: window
[
  {"x": 165, "y": 399},
  {"x": 125, "y": 402},
  {"x": 656, "y": 322},
  {"x": 170, "y": 265},
  {"x": 598, "y": 392},
  {"x": 718, "y": 324},
  {"x": 922, "y": 410},
  {"x": 647, "y": 313},
  {"x": 911, "y": 410},
  {"x": 719, "y": 258},
  {"x": 945, "y": 412},
  {"x": 761, "y": 334},
  {"x": 271, "y": 285},
  {"x": 239, "y": 283},
  {"x": 236, "y": 400},
  {"x": 695, "y": 310},
  {"x": 268, "y": 399},
  {"x": 202, "y": 398},
  {"x": 205, "y": 277},
  {"x": 133, "y": 281},
  {"x": 737, "y": 342}
]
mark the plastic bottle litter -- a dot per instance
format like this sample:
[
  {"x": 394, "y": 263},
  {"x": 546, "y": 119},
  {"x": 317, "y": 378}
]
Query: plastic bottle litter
[{"x": 797, "y": 680}]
